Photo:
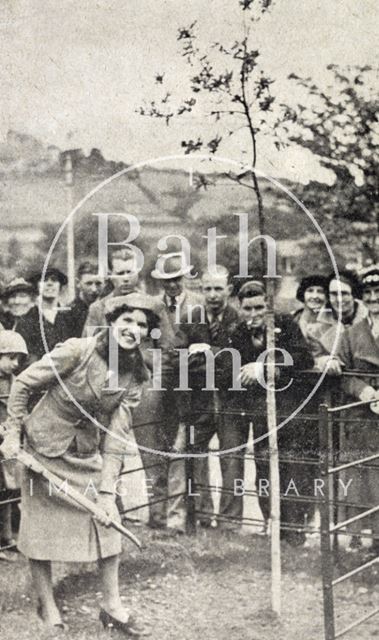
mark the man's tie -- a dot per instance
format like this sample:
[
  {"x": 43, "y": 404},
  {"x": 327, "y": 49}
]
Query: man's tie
[
  {"x": 172, "y": 305},
  {"x": 214, "y": 329}
]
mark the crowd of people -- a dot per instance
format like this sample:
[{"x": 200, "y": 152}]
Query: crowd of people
[{"x": 47, "y": 402}]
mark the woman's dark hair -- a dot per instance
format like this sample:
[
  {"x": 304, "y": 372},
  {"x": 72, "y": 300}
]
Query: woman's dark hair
[
  {"x": 314, "y": 280},
  {"x": 152, "y": 318},
  {"x": 350, "y": 278}
]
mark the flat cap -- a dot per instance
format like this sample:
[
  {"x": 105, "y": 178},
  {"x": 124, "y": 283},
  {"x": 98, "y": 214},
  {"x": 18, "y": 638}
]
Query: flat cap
[{"x": 251, "y": 288}]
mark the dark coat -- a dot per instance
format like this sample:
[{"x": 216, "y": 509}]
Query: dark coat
[
  {"x": 192, "y": 402},
  {"x": 29, "y": 327},
  {"x": 199, "y": 332},
  {"x": 8, "y": 321},
  {"x": 76, "y": 317},
  {"x": 288, "y": 336}
]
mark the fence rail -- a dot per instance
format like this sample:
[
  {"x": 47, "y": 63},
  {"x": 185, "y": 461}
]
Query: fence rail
[{"x": 330, "y": 524}]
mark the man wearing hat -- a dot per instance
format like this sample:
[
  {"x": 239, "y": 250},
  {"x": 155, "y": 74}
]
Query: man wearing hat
[
  {"x": 359, "y": 351},
  {"x": 17, "y": 299},
  {"x": 169, "y": 477},
  {"x": 54, "y": 321},
  {"x": 178, "y": 300}
]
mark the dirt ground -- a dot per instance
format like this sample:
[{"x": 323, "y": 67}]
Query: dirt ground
[{"x": 215, "y": 586}]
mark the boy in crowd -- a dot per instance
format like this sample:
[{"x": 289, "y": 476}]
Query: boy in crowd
[
  {"x": 89, "y": 288},
  {"x": 124, "y": 278},
  {"x": 54, "y": 322}
]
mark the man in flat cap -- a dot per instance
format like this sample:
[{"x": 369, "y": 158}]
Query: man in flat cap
[{"x": 250, "y": 340}]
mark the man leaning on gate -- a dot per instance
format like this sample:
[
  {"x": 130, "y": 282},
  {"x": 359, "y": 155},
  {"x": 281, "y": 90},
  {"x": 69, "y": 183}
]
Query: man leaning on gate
[{"x": 292, "y": 355}]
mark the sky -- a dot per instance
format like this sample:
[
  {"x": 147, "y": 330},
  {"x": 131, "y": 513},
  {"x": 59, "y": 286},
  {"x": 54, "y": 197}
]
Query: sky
[{"x": 74, "y": 72}]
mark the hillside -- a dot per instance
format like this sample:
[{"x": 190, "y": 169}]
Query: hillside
[
  {"x": 35, "y": 201},
  {"x": 32, "y": 189}
]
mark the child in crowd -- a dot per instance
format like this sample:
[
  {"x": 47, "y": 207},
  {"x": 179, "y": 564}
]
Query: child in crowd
[{"x": 13, "y": 352}]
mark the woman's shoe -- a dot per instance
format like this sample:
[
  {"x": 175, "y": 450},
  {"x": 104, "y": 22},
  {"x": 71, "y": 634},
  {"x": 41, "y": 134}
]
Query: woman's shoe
[{"x": 130, "y": 627}]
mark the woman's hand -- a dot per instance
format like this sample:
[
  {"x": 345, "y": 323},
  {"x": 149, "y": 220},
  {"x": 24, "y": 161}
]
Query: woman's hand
[{"x": 107, "y": 503}]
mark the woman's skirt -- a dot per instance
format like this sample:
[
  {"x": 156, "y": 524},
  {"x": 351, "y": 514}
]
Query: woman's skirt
[{"x": 54, "y": 527}]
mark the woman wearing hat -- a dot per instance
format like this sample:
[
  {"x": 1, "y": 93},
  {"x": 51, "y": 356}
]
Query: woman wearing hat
[
  {"x": 312, "y": 292},
  {"x": 17, "y": 298},
  {"x": 344, "y": 302},
  {"x": 359, "y": 351},
  {"x": 85, "y": 452}
]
